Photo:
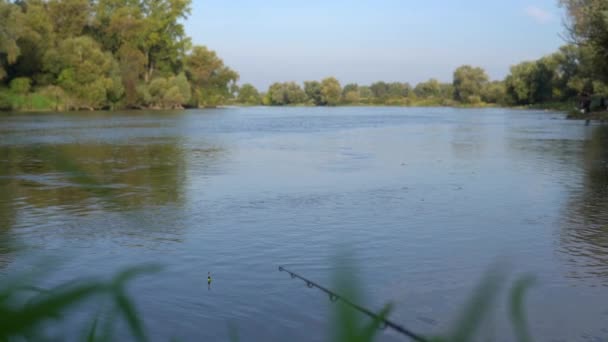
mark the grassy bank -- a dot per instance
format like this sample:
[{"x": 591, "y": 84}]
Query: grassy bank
[{"x": 31, "y": 102}]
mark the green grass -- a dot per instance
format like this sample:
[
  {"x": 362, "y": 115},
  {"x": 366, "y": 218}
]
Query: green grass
[
  {"x": 31, "y": 102},
  {"x": 25, "y": 319}
]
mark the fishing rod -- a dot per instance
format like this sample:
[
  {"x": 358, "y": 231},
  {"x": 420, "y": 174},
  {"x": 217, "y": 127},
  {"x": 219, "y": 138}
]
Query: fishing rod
[{"x": 334, "y": 297}]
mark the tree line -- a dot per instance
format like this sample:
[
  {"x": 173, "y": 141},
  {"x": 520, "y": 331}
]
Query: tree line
[
  {"x": 576, "y": 73},
  {"x": 561, "y": 77},
  {"x": 83, "y": 54}
]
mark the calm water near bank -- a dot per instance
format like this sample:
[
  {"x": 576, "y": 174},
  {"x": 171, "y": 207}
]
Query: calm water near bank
[{"x": 426, "y": 199}]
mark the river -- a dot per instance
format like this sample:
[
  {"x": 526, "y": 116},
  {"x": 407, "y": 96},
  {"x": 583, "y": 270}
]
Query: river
[{"x": 422, "y": 200}]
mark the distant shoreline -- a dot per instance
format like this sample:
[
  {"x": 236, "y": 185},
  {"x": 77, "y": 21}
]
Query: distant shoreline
[{"x": 553, "y": 107}]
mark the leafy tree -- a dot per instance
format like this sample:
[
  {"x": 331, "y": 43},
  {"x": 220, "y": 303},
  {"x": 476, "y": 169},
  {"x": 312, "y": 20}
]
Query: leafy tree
[
  {"x": 588, "y": 26},
  {"x": 69, "y": 17},
  {"x": 210, "y": 78},
  {"x": 11, "y": 30},
  {"x": 248, "y": 94},
  {"x": 365, "y": 93},
  {"x": 379, "y": 91},
  {"x": 350, "y": 93},
  {"x": 277, "y": 94},
  {"x": 21, "y": 85},
  {"x": 132, "y": 64},
  {"x": 428, "y": 89},
  {"x": 468, "y": 83},
  {"x": 350, "y": 87},
  {"x": 295, "y": 94},
  {"x": 85, "y": 72},
  {"x": 313, "y": 92},
  {"x": 331, "y": 91},
  {"x": 164, "y": 39},
  {"x": 398, "y": 90},
  {"x": 119, "y": 23},
  {"x": 532, "y": 82},
  {"x": 520, "y": 85},
  {"x": 447, "y": 90},
  {"x": 38, "y": 37},
  {"x": 281, "y": 94},
  {"x": 494, "y": 92},
  {"x": 172, "y": 92}
]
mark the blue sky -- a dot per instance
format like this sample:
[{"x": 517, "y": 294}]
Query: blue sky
[{"x": 364, "y": 41}]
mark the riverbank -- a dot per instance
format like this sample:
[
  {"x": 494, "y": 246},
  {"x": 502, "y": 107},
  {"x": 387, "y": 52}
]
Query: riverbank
[
  {"x": 40, "y": 103},
  {"x": 598, "y": 116}
]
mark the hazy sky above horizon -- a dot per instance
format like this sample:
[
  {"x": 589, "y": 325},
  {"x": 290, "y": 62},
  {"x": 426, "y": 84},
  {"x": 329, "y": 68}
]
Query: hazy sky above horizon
[{"x": 364, "y": 41}]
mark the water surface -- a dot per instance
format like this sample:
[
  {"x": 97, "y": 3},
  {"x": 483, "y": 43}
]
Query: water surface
[{"x": 426, "y": 199}]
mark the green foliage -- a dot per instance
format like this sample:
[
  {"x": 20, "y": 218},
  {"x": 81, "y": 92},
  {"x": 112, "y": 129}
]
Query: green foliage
[
  {"x": 12, "y": 19},
  {"x": 249, "y": 95},
  {"x": 330, "y": 91},
  {"x": 170, "y": 92},
  {"x": 210, "y": 78},
  {"x": 351, "y": 97},
  {"x": 106, "y": 53},
  {"x": 21, "y": 85},
  {"x": 26, "y": 320},
  {"x": 494, "y": 92},
  {"x": 5, "y": 100},
  {"x": 430, "y": 88},
  {"x": 89, "y": 75},
  {"x": 313, "y": 91},
  {"x": 350, "y": 87},
  {"x": 587, "y": 25},
  {"x": 289, "y": 93},
  {"x": 379, "y": 91},
  {"x": 468, "y": 84}
]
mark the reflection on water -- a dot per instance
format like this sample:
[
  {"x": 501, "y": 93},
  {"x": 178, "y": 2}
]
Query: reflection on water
[
  {"x": 43, "y": 185},
  {"x": 81, "y": 177},
  {"x": 584, "y": 235}
]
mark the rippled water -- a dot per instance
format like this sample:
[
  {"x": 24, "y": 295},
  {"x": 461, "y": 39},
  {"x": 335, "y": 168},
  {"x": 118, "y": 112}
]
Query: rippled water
[{"x": 425, "y": 200}]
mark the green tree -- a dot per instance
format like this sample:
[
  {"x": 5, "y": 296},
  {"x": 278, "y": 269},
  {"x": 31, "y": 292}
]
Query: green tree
[
  {"x": 365, "y": 94},
  {"x": 164, "y": 40},
  {"x": 132, "y": 63},
  {"x": 350, "y": 93},
  {"x": 248, "y": 94},
  {"x": 38, "y": 37},
  {"x": 21, "y": 85},
  {"x": 588, "y": 26},
  {"x": 351, "y": 97},
  {"x": 398, "y": 90},
  {"x": 313, "y": 92},
  {"x": 277, "y": 94},
  {"x": 172, "y": 92},
  {"x": 520, "y": 85},
  {"x": 295, "y": 93},
  {"x": 447, "y": 91},
  {"x": 331, "y": 90},
  {"x": 428, "y": 89},
  {"x": 468, "y": 83},
  {"x": 494, "y": 92},
  {"x": 89, "y": 75},
  {"x": 280, "y": 94},
  {"x": 210, "y": 78},
  {"x": 350, "y": 87},
  {"x": 69, "y": 17},
  {"x": 11, "y": 30},
  {"x": 119, "y": 23},
  {"x": 379, "y": 91},
  {"x": 532, "y": 82}
]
